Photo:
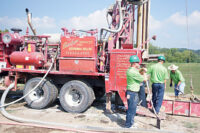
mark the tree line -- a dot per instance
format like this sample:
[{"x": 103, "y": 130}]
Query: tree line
[
  {"x": 3, "y": 31},
  {"x": 179, "y": 55}
]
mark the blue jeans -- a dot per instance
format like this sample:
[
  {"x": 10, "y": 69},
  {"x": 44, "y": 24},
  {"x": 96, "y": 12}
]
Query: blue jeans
[
  {"x": 180, "y": 87},
  {"x": 132, "y": 105},
  {"x": 142, "y": 96},
  {"x": 158, "y": 90}
]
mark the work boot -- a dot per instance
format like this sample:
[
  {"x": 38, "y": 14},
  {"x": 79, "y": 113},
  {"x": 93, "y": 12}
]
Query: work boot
[{"x": 134, "y": 126}]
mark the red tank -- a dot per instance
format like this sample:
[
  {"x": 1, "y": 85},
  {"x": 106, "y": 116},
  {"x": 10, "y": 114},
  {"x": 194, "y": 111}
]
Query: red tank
[{"x": 24, "y": 58}]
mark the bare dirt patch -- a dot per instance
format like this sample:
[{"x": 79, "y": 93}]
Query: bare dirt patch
[{"x": 94, "y": 117}]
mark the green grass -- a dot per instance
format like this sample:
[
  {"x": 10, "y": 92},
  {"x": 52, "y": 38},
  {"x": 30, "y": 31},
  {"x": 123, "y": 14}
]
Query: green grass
[{"x": 188, "y": 70}]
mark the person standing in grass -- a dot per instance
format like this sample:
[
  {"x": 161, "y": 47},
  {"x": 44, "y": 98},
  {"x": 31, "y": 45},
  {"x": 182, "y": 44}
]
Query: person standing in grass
[
  {"x": 178, "y": 79},
  {"x": 158, "y": 76}
]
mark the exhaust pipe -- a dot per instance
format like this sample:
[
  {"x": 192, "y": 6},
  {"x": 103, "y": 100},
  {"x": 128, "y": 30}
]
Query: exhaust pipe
[{"x": 29, "y": 19}]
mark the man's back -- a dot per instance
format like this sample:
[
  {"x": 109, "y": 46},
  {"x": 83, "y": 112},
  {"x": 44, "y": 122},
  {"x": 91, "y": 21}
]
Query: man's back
[{"x": 158, "y": 73}]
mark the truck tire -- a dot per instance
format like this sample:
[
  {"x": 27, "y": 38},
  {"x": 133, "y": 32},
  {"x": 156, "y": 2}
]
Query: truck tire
[
  {"x": 76, "y": 96},
  {"x": 40, "y": 98},
  {"x": 54, "y": 90}
]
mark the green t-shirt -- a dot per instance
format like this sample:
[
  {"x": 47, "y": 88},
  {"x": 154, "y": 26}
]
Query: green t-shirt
[
  {"x": 177, "y": 76},
  {"x": 158, "y": 73},
  {"x": 134, "y": 78}
]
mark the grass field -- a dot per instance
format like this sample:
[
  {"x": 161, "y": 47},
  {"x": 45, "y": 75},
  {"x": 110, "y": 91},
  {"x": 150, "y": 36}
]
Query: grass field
[{"x": 188, "y": 70}]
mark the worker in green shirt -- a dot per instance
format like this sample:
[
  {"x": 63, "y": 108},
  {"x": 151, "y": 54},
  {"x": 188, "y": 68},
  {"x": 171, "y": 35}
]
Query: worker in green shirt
[
  {"x": 178, "y": 79},
  {"x": 158, "y": 76},
  {"x": 134, "y": 78}
]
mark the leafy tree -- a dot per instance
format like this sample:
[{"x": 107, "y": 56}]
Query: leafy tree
[
  {"x": 177, "y": 55},
  {"x": 3, "y": 31}
]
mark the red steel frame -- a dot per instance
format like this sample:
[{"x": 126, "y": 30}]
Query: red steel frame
[
  {"x": 115, "y": 80},
  {"x": 181, "y": 108}
]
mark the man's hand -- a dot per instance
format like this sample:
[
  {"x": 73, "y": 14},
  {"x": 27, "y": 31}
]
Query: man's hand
[
  {"x": 170, "y": 85},
  {"x": 145, "y": 77}
]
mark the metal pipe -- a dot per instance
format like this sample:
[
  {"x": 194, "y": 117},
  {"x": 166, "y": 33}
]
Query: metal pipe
[
  {"x": 144, "y": 22},
  {"x": 147, "y": 25},
  {"x": 29, "y": 17},
  {"x": 139, "y": 26}
]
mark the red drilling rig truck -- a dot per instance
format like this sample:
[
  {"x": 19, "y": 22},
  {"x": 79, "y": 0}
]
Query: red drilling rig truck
[{"x": 87, "y": 65}]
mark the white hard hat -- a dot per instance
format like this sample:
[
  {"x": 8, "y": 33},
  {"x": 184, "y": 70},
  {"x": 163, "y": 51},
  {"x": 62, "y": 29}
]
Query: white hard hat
[{"x": 173, "y": 67}]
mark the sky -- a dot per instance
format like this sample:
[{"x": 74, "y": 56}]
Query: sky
[{"x": 167, "y": 20}]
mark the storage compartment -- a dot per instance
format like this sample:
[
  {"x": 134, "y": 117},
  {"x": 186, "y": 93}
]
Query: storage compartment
[{"x": 78, "y": 65}]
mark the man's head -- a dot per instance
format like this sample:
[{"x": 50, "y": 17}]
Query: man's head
[
  {"x": 161, "y": 59},
  {"x": 134, "y": 60},
  {"x": 173, "y": 68}
]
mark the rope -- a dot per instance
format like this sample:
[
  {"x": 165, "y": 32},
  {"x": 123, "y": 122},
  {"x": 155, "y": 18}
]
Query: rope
[{"x": 188, "y": 44}]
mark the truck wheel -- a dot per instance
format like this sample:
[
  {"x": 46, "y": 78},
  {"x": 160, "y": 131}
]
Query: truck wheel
[
  {"x": 54, "y": 90},
  {"x": 40, "y": 97},
  {"x": 76, "y": 96}
]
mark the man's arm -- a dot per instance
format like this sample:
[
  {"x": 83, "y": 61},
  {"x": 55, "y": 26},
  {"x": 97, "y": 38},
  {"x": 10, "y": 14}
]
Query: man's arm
[
  {"x": 137, "y": 76},
  {"x": 181, "y": 79},
  {"x": 165, "y": 84},
  {"x": 166, "y": 77},
  {"x": 179, "y": 83},
  {"x": 170, "y": 82}
]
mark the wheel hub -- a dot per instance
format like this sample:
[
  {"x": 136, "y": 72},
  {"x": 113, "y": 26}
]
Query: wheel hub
[
  {"x": 76, "y": 97},
  {"x": 73, "y": 97},
  {"x": 37, "y": 95}
]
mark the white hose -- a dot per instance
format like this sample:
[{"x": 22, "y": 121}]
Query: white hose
[
  {"x": 120, "y": 23},
  {"x": 54, "y": 124}
]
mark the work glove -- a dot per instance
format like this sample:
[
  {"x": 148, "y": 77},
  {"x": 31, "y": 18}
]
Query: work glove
[{"x": 170, "y": 85}]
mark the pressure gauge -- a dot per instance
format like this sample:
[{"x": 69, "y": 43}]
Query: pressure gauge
[{"x": 6, "y": 38}]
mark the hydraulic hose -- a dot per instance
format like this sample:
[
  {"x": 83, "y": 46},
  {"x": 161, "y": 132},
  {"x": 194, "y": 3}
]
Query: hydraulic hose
[{"x": 120, "y": 23}]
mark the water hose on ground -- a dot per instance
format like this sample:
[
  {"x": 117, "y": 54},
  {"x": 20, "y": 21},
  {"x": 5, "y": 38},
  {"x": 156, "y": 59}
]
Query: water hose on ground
[
  {"x": 68, "y": 127},
  {"x": 63, "y": 126}
]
